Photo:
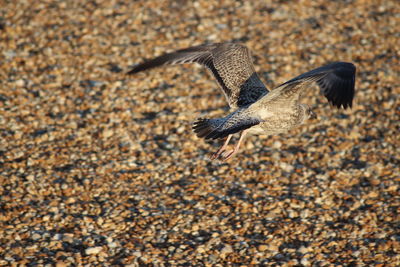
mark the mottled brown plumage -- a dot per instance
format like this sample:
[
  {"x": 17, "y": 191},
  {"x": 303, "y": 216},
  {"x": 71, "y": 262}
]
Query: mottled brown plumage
[
  {"x": 230, "y": 63},
  {"x": 258, "y": 111}
]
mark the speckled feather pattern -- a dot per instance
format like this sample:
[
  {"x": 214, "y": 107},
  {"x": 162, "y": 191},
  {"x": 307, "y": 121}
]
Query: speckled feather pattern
[
  {"x": 233, "y": 63},
  {"x": 230, "y": 63}
]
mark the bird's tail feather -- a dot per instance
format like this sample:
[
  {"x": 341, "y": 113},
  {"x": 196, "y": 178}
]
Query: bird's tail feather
[
  {"x": 207, "y": 128},
  {"x": 222, "y": 127}
]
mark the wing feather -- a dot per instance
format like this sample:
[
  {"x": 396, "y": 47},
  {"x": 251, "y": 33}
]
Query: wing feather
[
  {"x": 230, "y": 63},
  {"x": 336, "y": 81}
]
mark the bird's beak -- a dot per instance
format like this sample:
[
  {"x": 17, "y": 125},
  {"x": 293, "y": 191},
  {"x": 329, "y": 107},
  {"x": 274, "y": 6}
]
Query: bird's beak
[{"x": 313, "y": 115}]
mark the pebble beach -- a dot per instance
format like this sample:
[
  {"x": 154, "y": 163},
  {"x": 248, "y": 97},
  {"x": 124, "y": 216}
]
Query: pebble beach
[{"x": 98, "y": 168}]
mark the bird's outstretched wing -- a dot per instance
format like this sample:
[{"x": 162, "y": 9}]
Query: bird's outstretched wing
[
  {"x": 336, "y": 81},
  {"x": 230, "y": 63}
]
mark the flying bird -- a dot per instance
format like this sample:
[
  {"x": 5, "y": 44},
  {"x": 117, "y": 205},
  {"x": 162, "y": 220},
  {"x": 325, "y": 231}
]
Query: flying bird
[{"x": 255, "y": 108}]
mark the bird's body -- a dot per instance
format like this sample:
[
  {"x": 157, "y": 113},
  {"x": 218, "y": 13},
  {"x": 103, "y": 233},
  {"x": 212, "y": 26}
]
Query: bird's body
[
  {"x": 280, "y": 121},
  {"x": 257, "y": 110}
]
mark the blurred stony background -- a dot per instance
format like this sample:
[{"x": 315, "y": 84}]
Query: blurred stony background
[{"x": 98, "y": 168}]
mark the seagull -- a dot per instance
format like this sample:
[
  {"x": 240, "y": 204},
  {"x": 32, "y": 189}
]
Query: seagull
[{"x": 256, "y": 109}]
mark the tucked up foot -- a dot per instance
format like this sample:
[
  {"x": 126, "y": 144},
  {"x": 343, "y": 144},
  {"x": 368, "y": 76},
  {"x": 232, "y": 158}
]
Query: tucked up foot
[
  {"x": 218, "y": 153},
  {"x": 228, "y": 154},
  {"x": 222, "y": 148}
]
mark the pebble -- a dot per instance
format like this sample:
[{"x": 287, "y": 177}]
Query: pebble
[
  {"x": 93, "y": 250},
  {"x": 20, "y": 83},
  {"x": 36, "y": 236},
  {"x": 262, "y": 248},
  {"x": 226, "y": 250},
  {"x": 61, "y": 264}
]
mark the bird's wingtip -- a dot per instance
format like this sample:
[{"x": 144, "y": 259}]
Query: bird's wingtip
[{"x": 132, "y": 70}]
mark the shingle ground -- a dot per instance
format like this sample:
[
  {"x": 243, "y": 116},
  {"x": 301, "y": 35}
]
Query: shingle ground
[{"x": 97, "y": 168}]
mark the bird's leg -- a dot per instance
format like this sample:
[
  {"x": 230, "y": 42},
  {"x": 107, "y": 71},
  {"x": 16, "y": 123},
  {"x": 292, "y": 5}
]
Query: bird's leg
[
  {"x": 230, "y": 154},
  {"x": 223, "y": 148}
]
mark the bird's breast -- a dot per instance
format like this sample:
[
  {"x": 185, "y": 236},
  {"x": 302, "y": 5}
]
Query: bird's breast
[{"x": 280, "y": 122}]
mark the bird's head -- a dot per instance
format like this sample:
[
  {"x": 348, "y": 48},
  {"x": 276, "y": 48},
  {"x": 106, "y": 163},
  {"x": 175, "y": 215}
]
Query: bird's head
[
  {"x": 311, "y": 114},
  {"x": 308, "y": 113}
]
